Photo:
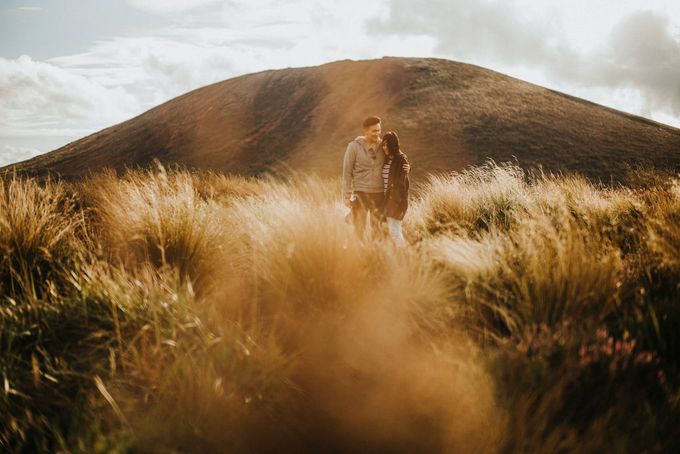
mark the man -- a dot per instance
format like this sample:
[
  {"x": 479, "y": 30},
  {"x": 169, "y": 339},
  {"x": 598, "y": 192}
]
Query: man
[{"x": 362, "y": 177}]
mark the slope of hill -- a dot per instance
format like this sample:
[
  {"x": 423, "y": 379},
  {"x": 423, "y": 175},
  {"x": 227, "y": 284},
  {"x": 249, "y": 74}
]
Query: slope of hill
[{"x": 448, "y": 115}]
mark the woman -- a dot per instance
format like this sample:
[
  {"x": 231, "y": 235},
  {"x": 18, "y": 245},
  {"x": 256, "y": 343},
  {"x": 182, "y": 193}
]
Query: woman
[{"x": 396, "y": 186}]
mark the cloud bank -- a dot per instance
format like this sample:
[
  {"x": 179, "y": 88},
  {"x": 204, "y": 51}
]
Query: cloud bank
[
  {"x": 170, "y": 7},
  {"x": 644, "y": 54},
  {"x": 10, "y": 154},
  {"x": 639, "y": 56},
  {"x": 31, "y": 89},
  {"x": 43, "y": 106}
]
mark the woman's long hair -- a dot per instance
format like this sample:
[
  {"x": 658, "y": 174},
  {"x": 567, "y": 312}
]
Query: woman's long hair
[{"x": 392, "y": 141}]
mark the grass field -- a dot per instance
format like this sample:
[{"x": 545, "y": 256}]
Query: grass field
[{"x": 169, "y": 311}]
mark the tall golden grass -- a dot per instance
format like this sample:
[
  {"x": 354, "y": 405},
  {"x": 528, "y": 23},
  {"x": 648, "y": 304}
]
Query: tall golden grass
[
  {"x": 39, "y": 235},
  {"x": 195, "y": 312}
]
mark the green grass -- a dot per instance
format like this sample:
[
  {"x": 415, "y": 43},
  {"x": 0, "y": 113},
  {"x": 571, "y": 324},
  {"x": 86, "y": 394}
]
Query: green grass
[{"x": 169, "y": 311}]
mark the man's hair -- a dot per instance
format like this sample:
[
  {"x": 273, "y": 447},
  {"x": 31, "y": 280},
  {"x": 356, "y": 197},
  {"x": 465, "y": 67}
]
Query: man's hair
[{"x": 370, "y": 121}]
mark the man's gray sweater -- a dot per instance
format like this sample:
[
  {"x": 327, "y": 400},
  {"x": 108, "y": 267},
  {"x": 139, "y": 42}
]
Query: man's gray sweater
[{"x": 362, "y": 168}]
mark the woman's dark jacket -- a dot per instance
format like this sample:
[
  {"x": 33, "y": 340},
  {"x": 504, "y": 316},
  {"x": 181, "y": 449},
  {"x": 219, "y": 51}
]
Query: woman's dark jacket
[{"x": 396, "y": 195}]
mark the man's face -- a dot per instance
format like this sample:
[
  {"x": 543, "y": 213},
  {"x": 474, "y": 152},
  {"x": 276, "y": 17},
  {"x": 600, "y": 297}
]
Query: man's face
[{"x": 372, "y": 133}]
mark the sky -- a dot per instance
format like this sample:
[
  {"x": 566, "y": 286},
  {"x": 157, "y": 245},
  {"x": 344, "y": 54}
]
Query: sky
[{"x": 69, "y": 68}]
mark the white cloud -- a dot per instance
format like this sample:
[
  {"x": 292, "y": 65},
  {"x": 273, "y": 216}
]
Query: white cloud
[
  {"x": 155, "y": 69},
  {"x": 36, "y": 95},
  {"x": 643, "y": 54},
  {"x": 10, "y": 154},
  {"x": 625, "y": 53},
  {"x": 481, "y": 32},
  {"x": 241, "y": 39},
  {"x": 29, "y": 9},
  {"x": 44, "y": 106},
  {"x": 163, "y": 7}
]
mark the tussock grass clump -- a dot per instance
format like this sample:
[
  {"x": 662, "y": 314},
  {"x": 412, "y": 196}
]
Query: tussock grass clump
[
  {"x": 655, "y": 269},
  {"x": 548, "y": 275},
  {"x": 578, "y": 261},
  {"x": 225, "y": 188},
  {"x": 476, "y": 199},
  {"x": 157, "y": 217},
  {"x": 544, "y": 276},
  {"x": 41, "y": 235},
  {"x": 501, "y": 196},
  {"x": 57, "y": 352},
  {"x": 573, "y": 389},
  {"x": 615, "y": 214},
  {"x": 664, "y": 228}
]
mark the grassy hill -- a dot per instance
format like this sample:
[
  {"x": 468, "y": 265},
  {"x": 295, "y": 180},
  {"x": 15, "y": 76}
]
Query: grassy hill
[
  {"x": 449, "y": 115},
  {"x": 168, "y": 311}
]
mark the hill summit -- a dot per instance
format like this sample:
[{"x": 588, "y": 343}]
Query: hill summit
[{"x": 448, "y": 115}]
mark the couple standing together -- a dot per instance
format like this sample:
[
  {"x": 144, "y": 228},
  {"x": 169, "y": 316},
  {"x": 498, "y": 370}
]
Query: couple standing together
[{"x": 375, "y": 181}]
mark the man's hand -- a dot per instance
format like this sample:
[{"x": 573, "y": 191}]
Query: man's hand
[{"x": 407, "y": 167}]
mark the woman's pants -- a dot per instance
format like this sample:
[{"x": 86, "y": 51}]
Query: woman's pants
[{"x": 394, "y": 227}]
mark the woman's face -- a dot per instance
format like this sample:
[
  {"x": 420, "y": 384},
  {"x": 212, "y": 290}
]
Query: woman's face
[{"x": 384, "y": 148}]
